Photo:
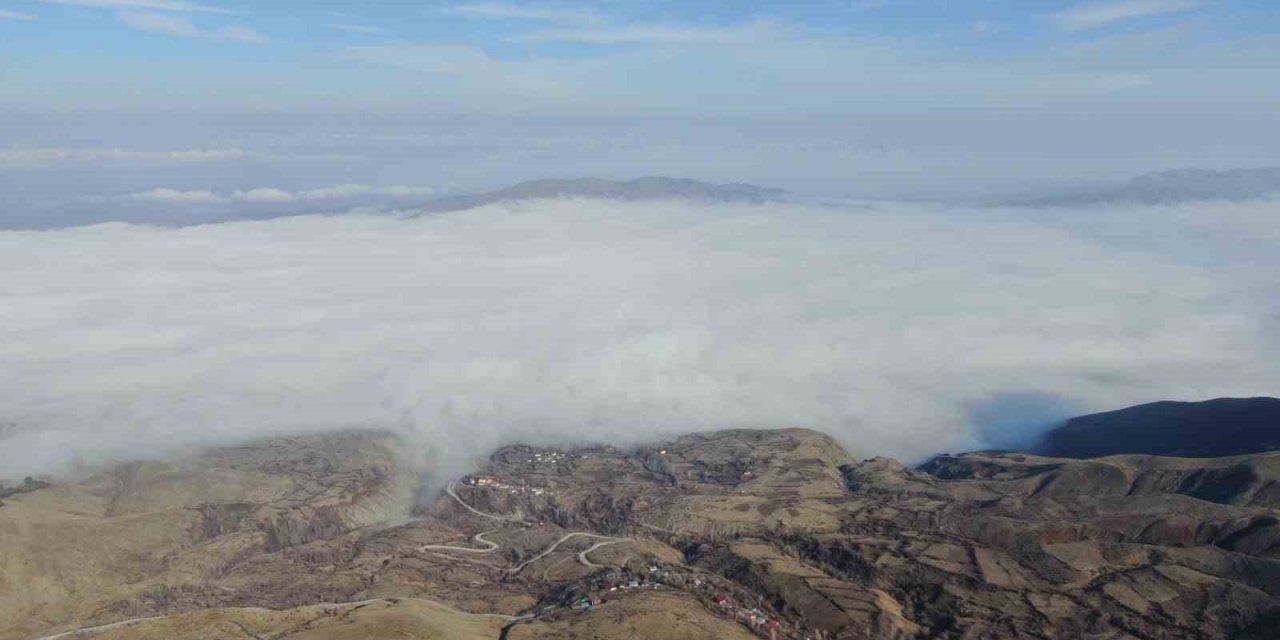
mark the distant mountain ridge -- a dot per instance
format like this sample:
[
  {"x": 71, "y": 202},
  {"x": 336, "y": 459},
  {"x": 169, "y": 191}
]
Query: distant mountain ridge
[
  {"x": 646, "y": 188},
  {"x": 1171, "y": 187},
  {"x": 1213, "y": 428}
]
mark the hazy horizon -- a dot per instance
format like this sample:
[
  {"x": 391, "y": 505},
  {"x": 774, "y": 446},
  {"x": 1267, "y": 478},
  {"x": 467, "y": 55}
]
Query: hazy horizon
[
  {"x": 59, "y": 170},
  {"x": 211, "y": 110}
]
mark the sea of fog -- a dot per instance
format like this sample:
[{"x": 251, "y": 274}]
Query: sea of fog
[{"x": 902, "y": 329}]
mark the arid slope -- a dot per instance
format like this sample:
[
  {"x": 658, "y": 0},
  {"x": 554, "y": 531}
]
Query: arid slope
[{"x": 715, "y": 535}]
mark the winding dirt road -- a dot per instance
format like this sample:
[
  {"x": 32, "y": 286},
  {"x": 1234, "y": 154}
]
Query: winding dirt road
[
  {"x": 491, "y": 546},
  {"x": 89, "y": 631},
  {"x": 586, "y": 562},
  {"x": 453, "y": 494},
  {"x": 100, "y": 628},
  {"x": 551, "y": 549}
]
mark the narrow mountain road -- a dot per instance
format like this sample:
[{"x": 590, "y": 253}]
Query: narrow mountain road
[
  {"x": 491, "y": 546},
  {"x": 90, "y": 631},
  {"x": 449, "y": 489},
  {"x": 555, "y": 545},
  {"x": 100, "y": 628},
  {"x": 586, "y": 562}
]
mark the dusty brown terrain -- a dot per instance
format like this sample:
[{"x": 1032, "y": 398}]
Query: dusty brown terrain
[{"x": 718, "y": 535}]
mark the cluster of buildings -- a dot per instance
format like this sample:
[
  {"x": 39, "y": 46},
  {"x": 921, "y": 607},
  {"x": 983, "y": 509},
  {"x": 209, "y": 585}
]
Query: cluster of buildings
[
  {"x": 547, "y": 457},
  {"x": 614, "y": 581},
  {"x": 586, "y": 602},
  {"x": 493, "y": 483},
  {"x": 757, "y": 620},
  {"x": 609, "y": 584}
]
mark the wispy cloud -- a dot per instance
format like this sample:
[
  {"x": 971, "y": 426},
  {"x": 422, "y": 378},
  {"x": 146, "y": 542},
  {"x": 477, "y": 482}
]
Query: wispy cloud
[
  {"x": 151, "y": 5},
  {"x": 987, "y": 27},
  {"x": 175, "y": 195},
  {"x": 441, "y": 59},
  {"x": 648, "y": 33},
  {"x": 273, "y": 195},
  {"x": 472, "y": 70},
  {"x": 182, "y": 26},
  {"x": 1094, "y": 16},
  {"x": 159, "y": 23},
  {"x": 515, "y": 12},
  {"x": 47, "y": 157},
  {"x": 871, "y": 5},
  {"x": 355, "y": 28},
  {"x": 1069, "y": 85},
  {"x": 336, "y": 192},
  {"x": 238, "y": 34},
  {"x": 586, "y": 26},
  {"x": 5, "y": 14}
]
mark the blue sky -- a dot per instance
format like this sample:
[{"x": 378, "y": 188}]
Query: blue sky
[
  {"x": 706, "y": 57},
  {"x": 181, "y": 110}
]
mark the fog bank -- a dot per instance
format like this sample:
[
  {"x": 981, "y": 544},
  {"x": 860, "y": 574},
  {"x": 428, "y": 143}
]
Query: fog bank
[{"x": 897, "y": 328}]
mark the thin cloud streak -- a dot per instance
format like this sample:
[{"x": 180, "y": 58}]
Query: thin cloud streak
[
  {"x": 654, "y": 34},
  {"x": 355, "y": 28},
  {"x": 177, "y": 196},
  {"x": 54, "y": 156},
  {"x": 151, "y": 5},
  {"x": 273, "y": 195},
  {"x": 519, "y": 13},
  {"x": 182, "y": 26},
  {"x": 5, "y": 14},
  {"x": 1095, "y": 16},
  {"x": 472, "y": 71}
]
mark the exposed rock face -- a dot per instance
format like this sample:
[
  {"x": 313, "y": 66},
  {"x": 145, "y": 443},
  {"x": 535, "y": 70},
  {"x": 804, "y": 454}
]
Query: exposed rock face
[
  {"x": 712, "y": 535},
  {"x": 1222, "y": 427}
]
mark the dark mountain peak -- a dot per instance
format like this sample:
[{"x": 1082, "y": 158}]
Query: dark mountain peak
[
  {"x": 645, "y": 188},
  {"x": 1213, "y": 428},
  {"x": 1176, "y": 186}
]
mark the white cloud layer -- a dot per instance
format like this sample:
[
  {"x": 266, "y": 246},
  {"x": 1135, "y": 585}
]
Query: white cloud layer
[
  {"x": 1093, "y": 16},
  {"x": 567, "y": 320}
]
